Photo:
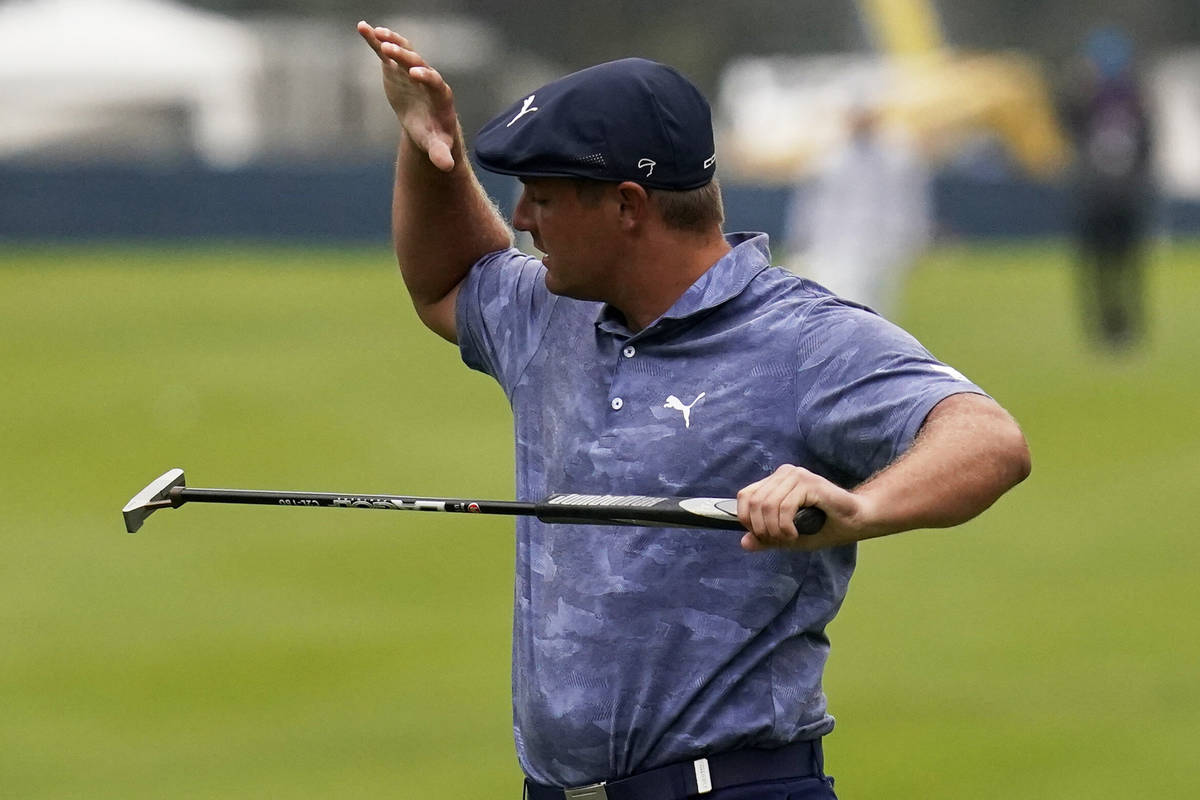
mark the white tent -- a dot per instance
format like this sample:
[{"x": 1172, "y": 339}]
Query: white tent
[
  {"x": 77, "y": 74},
  {"x": 1176, "y": 87}
]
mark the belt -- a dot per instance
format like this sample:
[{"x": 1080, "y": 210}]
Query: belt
[{"x": 690, "y": 778}]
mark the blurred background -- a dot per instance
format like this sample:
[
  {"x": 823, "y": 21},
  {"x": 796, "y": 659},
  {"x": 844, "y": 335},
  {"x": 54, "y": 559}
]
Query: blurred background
[
  {"x": 112, "y": 106},
  {"x": 195, "y": 272}
]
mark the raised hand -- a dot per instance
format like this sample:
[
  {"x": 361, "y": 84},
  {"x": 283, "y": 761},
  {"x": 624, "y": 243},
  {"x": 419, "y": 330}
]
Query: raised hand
[{"x": 422, "y": 100}]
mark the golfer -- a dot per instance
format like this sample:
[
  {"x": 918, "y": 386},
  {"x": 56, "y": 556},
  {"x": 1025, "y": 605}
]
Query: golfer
[{"x": 646, "y": 353}]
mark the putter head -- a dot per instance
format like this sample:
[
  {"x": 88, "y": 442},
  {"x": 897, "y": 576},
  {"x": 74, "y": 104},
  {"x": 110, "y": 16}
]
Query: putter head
[{"x": 155, "y": 496}]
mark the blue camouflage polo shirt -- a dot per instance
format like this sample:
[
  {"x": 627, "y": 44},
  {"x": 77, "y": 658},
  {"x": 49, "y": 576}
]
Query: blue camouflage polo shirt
[{"x": 638, "y": 647}]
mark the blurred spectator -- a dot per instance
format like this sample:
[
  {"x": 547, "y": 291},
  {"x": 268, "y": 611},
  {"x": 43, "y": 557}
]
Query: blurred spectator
[
  {"x": 865, "y": 219},
  {"x": 1107, "y": 117}
]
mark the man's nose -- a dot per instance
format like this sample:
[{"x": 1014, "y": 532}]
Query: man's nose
[{"x": 522, "y": 220}]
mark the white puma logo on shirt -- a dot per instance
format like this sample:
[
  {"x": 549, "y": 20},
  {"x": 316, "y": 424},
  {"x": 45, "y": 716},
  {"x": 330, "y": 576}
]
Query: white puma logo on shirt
[{"x": 677, "y": 404}]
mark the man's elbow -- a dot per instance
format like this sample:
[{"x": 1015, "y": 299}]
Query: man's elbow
[
  {"x": 439, "y": 317},
  {"x": 1013, "y": 453},
  {"x": 1001, "y": 461},
  {"x": 989, "y": 433}
]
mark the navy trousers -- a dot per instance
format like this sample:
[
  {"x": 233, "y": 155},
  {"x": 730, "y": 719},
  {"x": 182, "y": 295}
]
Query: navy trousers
[
  {"x": 811, "y": 788},
  {"x": 741, "y": 775},
  {"x": 790, "y": 789}
]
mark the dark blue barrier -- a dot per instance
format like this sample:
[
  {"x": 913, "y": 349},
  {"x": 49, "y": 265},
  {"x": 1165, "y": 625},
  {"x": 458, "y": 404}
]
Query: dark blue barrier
[
  {"x": 1182, "y": 217},
  {"x": 352, "y": 202},
  {"x": 999, "y": 208},
  {"x": 192, "y": 202}
]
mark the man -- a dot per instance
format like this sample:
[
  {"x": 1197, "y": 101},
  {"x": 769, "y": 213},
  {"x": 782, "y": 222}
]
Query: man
[
  {"x": 1113, "y": 186},
  {"x": 863, "y": 220},
  {"x": 646, "y": 353}
]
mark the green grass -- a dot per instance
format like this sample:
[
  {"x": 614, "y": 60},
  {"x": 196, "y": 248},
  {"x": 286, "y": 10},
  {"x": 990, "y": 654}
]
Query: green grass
[{"x": 1047, "y": 649}]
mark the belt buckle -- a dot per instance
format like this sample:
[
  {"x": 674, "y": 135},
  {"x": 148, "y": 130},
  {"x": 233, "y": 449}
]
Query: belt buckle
[{"x": 594, "y": 791}]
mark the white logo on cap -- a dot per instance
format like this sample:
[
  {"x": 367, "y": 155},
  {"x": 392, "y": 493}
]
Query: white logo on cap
[
  {"x": 650, "y": 163},
  {"x": 708, "y": 162},
  {"x": 526, "y": 108}
]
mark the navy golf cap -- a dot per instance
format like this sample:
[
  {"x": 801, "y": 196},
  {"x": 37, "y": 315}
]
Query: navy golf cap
[{"x": 628, "y": 120}]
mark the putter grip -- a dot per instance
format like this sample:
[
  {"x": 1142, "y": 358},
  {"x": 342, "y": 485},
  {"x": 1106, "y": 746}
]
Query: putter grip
[{"x": 809, "y": 520}]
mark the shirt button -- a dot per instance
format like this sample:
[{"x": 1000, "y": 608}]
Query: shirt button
[
  {"x": 617, "y": 403},
  {"x": 629, "y": 351}
]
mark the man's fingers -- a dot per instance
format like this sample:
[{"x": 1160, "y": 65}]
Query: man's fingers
[
  {"x": 753, "y": 544},
  {"x": 389, "y": 36},
  {"x": 388, "y": 44},
  {"x": 401, "y": 54},
  {"x": 763, "y": 502},
  {"x": 367, "y": 32},
  {"x": 768, "y": 508},
  {"x": 772, "y": 500},
  {"x": 786, "y": 501},
  {"x": 746, "y": 505},
  {"x": 432, "y": 80}
]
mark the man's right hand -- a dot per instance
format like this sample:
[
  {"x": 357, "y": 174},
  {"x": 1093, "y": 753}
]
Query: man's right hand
[{"x": 422, "y": 100}]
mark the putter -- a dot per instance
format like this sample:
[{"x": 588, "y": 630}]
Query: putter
[{"x": 170, "y": 490}]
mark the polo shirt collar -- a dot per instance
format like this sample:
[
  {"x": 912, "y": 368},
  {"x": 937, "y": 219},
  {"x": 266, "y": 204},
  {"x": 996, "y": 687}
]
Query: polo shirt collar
[{"x": 723, "y": 281}]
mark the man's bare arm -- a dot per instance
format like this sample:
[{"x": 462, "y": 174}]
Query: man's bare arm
[
  {"x": 442, "y": 220},
  {"x": 968, "y": 453}
]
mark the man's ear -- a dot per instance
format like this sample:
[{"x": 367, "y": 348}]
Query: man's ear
[{"x": 634, "y": 204}]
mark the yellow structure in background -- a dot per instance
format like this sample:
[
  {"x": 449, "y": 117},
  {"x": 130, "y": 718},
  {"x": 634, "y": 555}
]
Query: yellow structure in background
[
  {"x": 903, "y": 27},
  {"x": 781, "y": 115},
  {"x": 943, "y": 95}
]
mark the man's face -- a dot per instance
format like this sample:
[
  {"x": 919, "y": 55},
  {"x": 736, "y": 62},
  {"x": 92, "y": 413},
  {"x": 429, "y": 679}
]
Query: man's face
[{"x": 577, "y": 235}]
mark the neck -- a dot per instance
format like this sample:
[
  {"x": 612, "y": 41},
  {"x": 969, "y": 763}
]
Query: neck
[{"x": 660, "y": 269}]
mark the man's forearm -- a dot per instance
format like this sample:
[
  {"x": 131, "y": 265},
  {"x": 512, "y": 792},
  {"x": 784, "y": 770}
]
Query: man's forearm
[
  {"x": 968, "y": 453},
  {"x": 442, "y": 222}
]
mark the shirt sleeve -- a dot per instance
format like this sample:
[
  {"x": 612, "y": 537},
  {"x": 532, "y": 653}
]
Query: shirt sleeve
[
  {"x": 502, "y": 312},
  {"x": 865, "y": 388}
]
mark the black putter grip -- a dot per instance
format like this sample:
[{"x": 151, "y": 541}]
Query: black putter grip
[
  {"x": 809, "y": 521},
  {"x": 668, "y": 512}
]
